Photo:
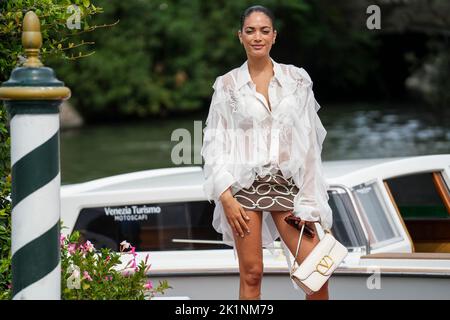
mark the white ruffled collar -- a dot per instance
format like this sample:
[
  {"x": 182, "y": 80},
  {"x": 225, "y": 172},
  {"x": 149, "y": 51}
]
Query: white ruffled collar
[{"x": 243, "y": 75}]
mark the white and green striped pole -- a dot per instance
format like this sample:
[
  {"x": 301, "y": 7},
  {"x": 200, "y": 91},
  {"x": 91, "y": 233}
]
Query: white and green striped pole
[{"x": 33, "y": 96}]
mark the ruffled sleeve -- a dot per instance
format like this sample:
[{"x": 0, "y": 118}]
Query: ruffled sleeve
[
  {"x": 217, "y": 145},
  {"x": 311, "y": 202}
]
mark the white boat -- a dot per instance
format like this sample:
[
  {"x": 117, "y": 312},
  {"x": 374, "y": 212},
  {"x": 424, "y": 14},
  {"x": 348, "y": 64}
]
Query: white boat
[{"x": 393, "y": 214}]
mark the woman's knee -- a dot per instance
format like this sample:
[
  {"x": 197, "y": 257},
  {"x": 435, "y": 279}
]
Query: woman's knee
[{"x": 253, "y": 275}]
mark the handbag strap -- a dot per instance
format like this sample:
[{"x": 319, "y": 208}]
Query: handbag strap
[{"x": 298, "y": 247}]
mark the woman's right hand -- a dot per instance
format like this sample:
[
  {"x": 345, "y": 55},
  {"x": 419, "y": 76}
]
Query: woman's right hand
[{"x": 235, "y": 213}]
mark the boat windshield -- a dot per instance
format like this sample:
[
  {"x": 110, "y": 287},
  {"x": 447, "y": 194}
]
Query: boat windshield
[
  {"x": 346, "y": 226},
  {"x": 377, "y": 220}
]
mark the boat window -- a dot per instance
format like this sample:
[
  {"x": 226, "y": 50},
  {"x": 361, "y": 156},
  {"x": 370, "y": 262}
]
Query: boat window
[
  {"x": 423, "y": 202},
  {"x": 346, "y": 227},
  {"x": 375, "y": 215},
  {"x": 151, "y": 227}
]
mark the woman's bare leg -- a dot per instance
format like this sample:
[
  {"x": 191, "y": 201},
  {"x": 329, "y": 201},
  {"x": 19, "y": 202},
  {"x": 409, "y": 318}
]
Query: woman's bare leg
[
  {"x": 290, "y": 238},
  {"x": 249, "y": 251}
]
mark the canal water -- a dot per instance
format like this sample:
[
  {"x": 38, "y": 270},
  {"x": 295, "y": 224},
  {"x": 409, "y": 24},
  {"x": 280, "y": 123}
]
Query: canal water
[{"x": 357, "y": 131}]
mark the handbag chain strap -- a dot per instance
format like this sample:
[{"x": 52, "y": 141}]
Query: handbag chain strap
[{"x": 298, "y": 247}]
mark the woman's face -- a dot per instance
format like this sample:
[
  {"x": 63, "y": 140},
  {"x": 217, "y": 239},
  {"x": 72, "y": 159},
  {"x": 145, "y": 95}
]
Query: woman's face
[{"x": 257, "y": 35}]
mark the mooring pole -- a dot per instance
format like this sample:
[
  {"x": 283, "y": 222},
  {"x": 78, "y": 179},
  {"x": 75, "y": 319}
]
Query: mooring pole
[{"x": 32, "y": 96}]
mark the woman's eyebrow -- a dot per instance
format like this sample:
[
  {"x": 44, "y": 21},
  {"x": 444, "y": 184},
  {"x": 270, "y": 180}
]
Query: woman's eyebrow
[{"x": 260, "y": 27}]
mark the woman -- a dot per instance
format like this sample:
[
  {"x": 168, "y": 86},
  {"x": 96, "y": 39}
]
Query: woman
[{"x": 262, "y": 151}]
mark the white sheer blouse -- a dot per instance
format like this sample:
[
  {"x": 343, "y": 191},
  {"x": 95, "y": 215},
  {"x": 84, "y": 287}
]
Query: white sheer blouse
[{"x": 244, "y": 136}]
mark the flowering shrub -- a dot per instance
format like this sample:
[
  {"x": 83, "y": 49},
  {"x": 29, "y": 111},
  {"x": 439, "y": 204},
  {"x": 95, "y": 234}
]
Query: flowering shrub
[{"x": 90, "y": 274}]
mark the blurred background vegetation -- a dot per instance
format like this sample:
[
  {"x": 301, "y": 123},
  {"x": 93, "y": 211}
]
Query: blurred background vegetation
[{"x": 162, "y": 56}]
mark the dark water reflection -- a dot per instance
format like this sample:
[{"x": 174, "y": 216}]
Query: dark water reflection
[{"x": 354, "y": 132}]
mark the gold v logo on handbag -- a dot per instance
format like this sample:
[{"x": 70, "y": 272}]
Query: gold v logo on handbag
[
  {"x": 320, "y": 263},
  {"x": 324, "y": 265}
]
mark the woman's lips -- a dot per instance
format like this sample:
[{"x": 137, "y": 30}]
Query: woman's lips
[{"x": 258, "y": 47}]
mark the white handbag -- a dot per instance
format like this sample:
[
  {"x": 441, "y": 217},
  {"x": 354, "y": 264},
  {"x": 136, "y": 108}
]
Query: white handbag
[{"x": 320, "y": 263}]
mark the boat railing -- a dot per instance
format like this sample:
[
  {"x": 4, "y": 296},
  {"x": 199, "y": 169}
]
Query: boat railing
[{"x": 358, "y": 212}]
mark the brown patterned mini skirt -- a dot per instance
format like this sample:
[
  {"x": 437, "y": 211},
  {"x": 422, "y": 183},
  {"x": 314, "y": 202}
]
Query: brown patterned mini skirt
[{"x": 271, "y": 192}]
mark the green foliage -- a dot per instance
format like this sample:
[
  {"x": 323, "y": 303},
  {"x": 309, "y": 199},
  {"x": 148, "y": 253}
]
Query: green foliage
[
  {"x": 88, "y": 274},
  {"x": 5, "y": 208},
  {"x": 4, "y": 143},
  {"x": 57, "y": 37},
  {"x": 163, "y": 55}
]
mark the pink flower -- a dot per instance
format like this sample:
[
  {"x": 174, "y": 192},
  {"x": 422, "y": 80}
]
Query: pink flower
[
  {"x": 9, "y": 286},
  {"x": 108, "y": 278},
  {"x": 88, "y": 246},
  {"x": 87, "y": 276},
  {"x": 62, "y": 238},
  {"x": 133, "y": 251},
  {"x": 133, "y": 264},
  {"x": 124, "y": 245},
  {"x": 148, "y": 285},
  {"x": 108, "y": 258},
  {"x": 71, "y": 248}
]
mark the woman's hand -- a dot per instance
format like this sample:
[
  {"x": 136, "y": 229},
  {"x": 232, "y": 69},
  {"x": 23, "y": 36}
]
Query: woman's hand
[{"x": 235, "y": 213}]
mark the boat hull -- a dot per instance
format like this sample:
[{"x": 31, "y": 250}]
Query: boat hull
[{"x": 342, "y": 286}]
